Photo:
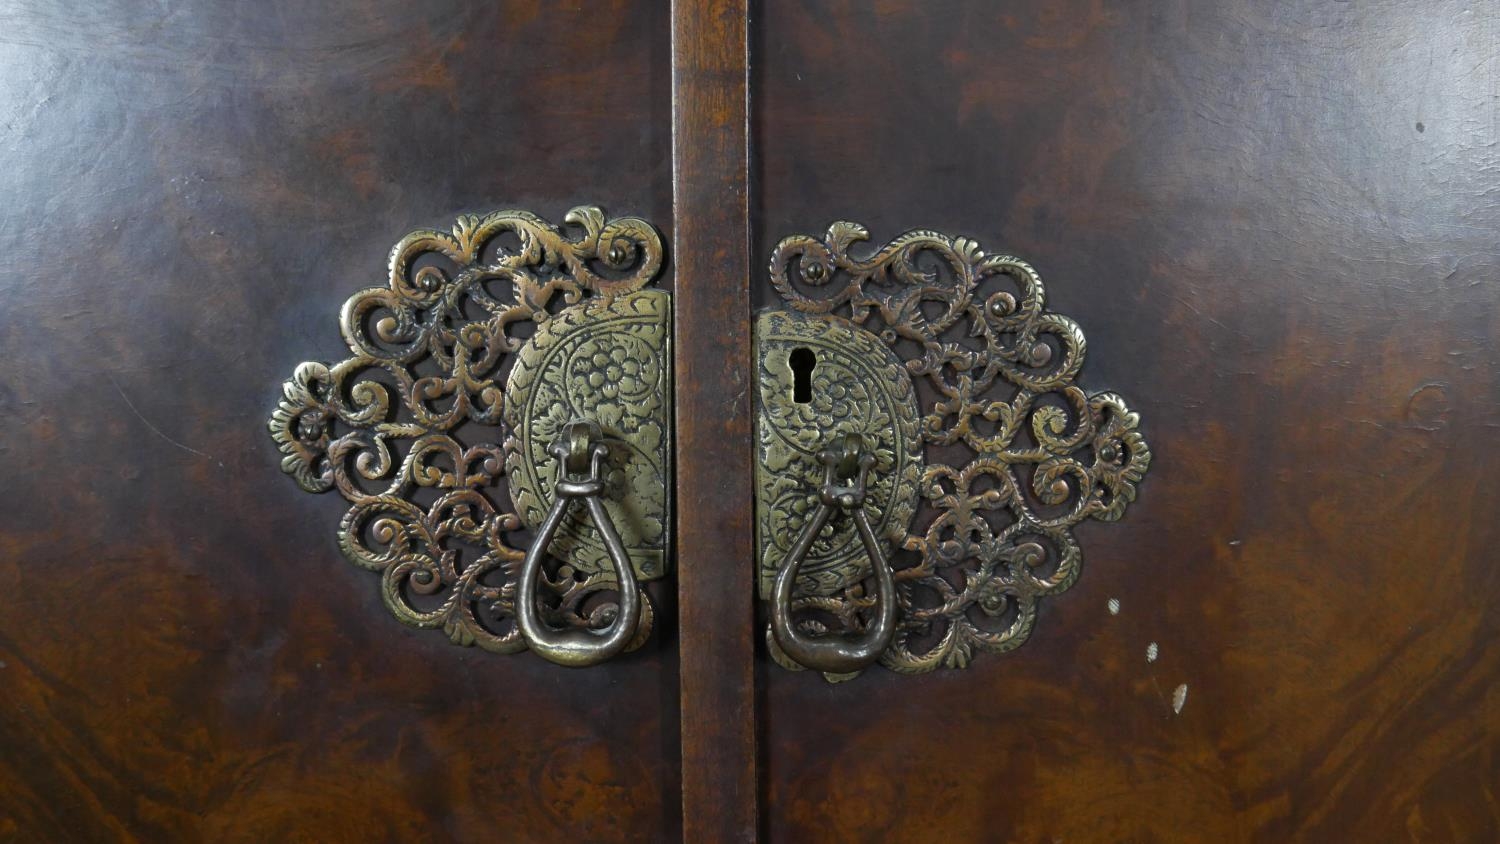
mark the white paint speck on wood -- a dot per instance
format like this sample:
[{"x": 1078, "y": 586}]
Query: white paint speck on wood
[{"x": 1179, "y": 697}]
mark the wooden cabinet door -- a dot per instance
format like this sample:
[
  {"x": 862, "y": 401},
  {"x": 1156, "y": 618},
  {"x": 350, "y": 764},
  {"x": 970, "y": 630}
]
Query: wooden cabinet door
[
  {"x": 1275, "y": 223},
  {"x": 191, "y": 192}
]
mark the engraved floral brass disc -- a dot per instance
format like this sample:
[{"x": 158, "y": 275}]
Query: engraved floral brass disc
[
  {"x": 1017, "y": 454},
  {"x": 408, "y": 428},
  {"x": 854, "y": 385},
  {"x": 606, "y": 360}
]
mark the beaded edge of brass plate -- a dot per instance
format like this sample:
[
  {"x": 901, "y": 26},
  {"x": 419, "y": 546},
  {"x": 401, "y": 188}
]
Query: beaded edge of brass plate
[
  {"x": 429, "y": 349},
  {"x": 1026, "y": 454}
]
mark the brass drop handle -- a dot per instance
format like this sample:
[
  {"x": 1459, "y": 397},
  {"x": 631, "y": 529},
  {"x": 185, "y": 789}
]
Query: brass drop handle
[
  {"x": 837, "y": 654},
  {"x": 581, "y": 451}
]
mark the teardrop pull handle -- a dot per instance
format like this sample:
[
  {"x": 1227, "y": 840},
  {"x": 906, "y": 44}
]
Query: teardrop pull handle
[
  {"x": 837, "y": 653},
  {"x": 581, "y": 451}
]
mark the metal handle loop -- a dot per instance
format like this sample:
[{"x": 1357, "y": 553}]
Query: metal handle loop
[
  {"x": 837, "y": 654},
  {"x": 580, "y": 450}
]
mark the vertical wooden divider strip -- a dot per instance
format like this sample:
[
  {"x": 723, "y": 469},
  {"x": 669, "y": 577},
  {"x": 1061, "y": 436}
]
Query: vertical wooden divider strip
[{"x": 711, "y": 247}]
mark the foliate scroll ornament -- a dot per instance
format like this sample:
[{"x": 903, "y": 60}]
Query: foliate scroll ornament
[
  {"x": 1017, "y": 454},
  {"x": 409, "y": 428}
]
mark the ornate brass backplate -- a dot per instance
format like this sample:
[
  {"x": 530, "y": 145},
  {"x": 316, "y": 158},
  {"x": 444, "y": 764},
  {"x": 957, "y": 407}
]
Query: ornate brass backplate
[
  {"x": 1016, "y": 454},
  {"x": 409, "y": 427},
  {"x": 856, "y": 386},
  {"x": 607, "y": 360},
  {"x": 851, "y": 385}
]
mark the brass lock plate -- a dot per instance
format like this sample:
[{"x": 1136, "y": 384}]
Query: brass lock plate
[
  {"x": 817, "y": 378},
  {"x": 608, "y": 360}
]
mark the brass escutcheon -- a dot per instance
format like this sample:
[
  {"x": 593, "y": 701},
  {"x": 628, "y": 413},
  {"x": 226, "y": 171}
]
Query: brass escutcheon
[
  {"x": 409, "y": 430},
  {"x": 987, "y": 453}
]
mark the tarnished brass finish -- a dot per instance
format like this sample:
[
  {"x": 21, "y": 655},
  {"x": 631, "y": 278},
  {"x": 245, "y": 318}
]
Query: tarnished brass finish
[
  {"x": 580, "y": 452},
  {"x": 846, "y": 466},
  {"x": 608, "y": 361},
  {"x": 407, "y": 427},
  {"x": 854, "y": 384},
  {"x": 1017, "y": 453}
]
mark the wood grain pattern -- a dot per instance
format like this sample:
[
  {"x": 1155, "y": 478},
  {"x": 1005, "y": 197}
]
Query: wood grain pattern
[
  {"x": 710, "y": 138},
  {"x": 1276, "y": 225},
  {"x": 192, "y": 190}
]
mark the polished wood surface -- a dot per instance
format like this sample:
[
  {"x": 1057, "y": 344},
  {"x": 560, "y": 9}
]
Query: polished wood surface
[
  {"x": 1276, "y": 224},
  {"x": 710, "y": 142},
  {"x": 191, "y": 191}
]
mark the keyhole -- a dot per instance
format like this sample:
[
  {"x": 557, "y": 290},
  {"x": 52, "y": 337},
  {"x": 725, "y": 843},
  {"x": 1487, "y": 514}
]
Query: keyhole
[{"x": 802, "y": 360}]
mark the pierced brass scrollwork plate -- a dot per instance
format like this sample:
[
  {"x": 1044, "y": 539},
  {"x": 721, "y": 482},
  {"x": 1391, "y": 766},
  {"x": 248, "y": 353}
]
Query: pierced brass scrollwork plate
[
  {"x": 409, "y": 427},
  {"x": 1016, "y": 453}
]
